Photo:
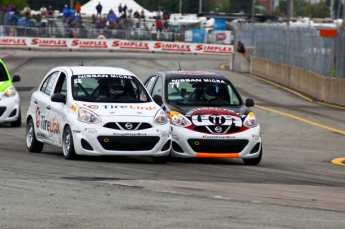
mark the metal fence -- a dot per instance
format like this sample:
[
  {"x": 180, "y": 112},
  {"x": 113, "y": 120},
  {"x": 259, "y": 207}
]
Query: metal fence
[{"x": 300, "y": 47}]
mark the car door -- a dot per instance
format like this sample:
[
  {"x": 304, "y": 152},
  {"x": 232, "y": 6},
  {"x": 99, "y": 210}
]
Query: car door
[
  {"x": 57, "y": 111},
  {"x": 42, "y": 101}
]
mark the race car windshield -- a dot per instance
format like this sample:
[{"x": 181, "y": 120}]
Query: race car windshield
[
  {"x": 201, "y": 91},
  {"x": 108, "y": 88}
]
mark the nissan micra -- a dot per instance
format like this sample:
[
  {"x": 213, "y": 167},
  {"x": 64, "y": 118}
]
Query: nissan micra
[{"x": 97, "y": 111}]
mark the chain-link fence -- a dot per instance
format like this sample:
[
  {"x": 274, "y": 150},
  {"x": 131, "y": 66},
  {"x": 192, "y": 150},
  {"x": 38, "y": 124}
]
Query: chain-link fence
[{"x": 301, "y": 47}]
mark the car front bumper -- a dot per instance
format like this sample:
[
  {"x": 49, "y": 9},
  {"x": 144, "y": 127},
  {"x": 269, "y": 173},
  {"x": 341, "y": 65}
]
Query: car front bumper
[
  {"x": 94, "y": 139},
  {"x": 9, "y": 108},
  {"x": 191, "y": 144}
]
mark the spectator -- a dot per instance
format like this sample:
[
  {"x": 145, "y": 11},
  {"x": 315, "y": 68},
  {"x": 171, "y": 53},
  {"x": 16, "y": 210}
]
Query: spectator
[
  {"x": 27, "y": 11},
  {"x": 43, "y": 11},
  {"x": 120, "y": 8},
  {"x": 124, "y": 9},
  {"x": 50, "y": 11},
  {"x": 77, "y": 8},
  {"x": 66, "y": 12},
  {"x": 158, "y": 14},
  {"x": 142, "y": 15},
  {"x": 241, "y": 49},
  {"x": 99, "y": 10},
  {"x": 159, "y": 25},
  {"x": 136, "y": 14},
  {"x": 166, "y": 16},
  {"x": 9, "y": 8},
  {"x": 112, "y": 17}
]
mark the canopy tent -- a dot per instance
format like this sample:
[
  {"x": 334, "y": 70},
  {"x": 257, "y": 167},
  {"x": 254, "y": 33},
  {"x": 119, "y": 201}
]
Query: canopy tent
[{"x": 89, "y": 8}]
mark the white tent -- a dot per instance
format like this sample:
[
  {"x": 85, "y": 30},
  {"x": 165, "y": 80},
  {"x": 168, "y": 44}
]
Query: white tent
[{"x": 89, "y": 8}]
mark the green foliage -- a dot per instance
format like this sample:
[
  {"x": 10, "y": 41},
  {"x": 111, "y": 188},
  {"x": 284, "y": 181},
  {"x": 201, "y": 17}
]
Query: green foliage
[
  {"x": 238, "y": 6},
  {"x": 20, "y": 4},
  {"x": 320, "y": 10}
]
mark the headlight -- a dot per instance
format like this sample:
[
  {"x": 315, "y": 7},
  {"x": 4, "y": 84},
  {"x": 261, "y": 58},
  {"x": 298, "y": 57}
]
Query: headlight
[
  {"x": 250, "y": 120},
  {"x": 9, "y": 92},
  {"x": 178, "y": 119},
  {"x": 85, "y": 115},
  {"x": 161, "y": 117}
]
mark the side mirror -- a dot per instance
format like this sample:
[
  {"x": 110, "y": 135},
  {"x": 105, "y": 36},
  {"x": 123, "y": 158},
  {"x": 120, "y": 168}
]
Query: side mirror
[
  {"x": 249, "y": 102},
  {"x": 58, "y": 98},
  {"x": 15, "y": 78},
  {"x": 158, "y": 99}
]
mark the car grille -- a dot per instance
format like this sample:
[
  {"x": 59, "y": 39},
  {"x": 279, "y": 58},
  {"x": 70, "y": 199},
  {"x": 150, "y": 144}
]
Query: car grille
[
  {"x": 128, "y": 143},
  {"x": 217, "y": 146},
  {"x": 2, "y": 110},
  {"x": 211, "y": 129},
  {"x": 125, "y": 125}
]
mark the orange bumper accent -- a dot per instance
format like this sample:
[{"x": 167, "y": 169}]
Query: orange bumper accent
[{"x": 217, "y": 155}]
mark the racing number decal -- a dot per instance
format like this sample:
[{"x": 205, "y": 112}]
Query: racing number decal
[
  {"x": 38, "y": 113},
  {"x": 175, "y": 84}
]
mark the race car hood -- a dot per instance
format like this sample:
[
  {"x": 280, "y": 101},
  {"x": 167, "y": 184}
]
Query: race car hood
[
  {"x": 185, "y": 110},
  {"x": 4, "y": 85},
  {"x": 124, "y": 109}
]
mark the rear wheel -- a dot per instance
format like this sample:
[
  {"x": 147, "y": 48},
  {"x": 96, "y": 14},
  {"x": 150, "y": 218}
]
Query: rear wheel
[
  {"x": 253, "y": 161},
  {"x": 31, "y": 142},
  {"x": 18, "y": 122},
  {"x": 67, "y": 144},
  {"x": 162, "y": 160}
]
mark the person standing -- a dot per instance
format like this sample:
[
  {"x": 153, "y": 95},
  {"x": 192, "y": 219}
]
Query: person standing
[
  {"x": 99, "y": 10},
  {"x": 120, "y": 9},
  {"x": 77, "y": 9},
  {"x": 241, "y": 49}
]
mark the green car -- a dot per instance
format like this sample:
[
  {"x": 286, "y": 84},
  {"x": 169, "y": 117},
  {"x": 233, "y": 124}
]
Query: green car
[{"x": 9, "y": 98}]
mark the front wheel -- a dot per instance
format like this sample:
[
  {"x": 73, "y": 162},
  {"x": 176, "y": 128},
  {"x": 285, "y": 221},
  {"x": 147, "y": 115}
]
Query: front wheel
[
  {"x": 31, "y": 141},
  {"x": 253, "y": 161},
  {"x": 67, "y": 144}
]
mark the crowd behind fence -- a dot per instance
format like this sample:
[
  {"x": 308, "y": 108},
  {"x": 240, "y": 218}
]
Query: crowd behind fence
[{"x": 301, "y": 47}]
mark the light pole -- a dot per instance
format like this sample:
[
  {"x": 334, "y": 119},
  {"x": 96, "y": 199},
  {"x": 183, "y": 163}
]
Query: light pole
[
  {"x": 253, "y": 11},
  {"x": 200, "y": 6},
  {"x": 180, "y": 6}
]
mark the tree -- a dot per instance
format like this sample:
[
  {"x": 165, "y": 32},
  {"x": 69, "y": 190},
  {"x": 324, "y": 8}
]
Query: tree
[
  {"x": 320, "y": 10},
  {"x": 238, "y": 6}
]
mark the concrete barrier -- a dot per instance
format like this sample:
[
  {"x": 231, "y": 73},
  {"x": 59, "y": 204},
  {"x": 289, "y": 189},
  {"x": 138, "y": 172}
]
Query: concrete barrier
[
  {"x": 238, "y": 63},
  {"x": 319, "y": 87}
]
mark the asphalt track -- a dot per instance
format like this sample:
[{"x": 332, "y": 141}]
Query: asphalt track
[{"x": 299, "y": 183}]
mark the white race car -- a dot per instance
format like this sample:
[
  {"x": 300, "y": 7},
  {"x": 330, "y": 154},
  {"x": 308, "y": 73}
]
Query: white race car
[
  {"x": 208, "y": 116},
  {"x": 97, "y": 111},
  {"x": 9, "y": 98}
]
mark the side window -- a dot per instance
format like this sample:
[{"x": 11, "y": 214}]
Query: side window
[
  {"x": 48, "y": 83},
  {"x": 157, "y": 90},
  {"x": 3, "y": 74},
  {"x": 149, "y": 83},
  {"x": 61, "y": 85}
]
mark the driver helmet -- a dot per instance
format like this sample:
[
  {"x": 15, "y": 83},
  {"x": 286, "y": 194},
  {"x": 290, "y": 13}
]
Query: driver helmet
[
  {"x": 210, "y": 92},
  {"x": 116, "y": 89}
]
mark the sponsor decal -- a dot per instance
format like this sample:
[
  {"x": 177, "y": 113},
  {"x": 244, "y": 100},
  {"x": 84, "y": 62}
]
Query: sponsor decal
[
  {"x": 213, "y": 116},
  {"x": 172, "y": 47},
  {"x": 129, "y": 134},
  {"x": 91, "y": 130},
  {"x": 51, "y": 125},
  {"x": 104, "y": 76},
  {"x": 90, "y": 43},
  {"x": 214, "y": 49},
  {"x": 38, "y": 120},
  {"x": 76, "y": 131},
  {"x": 131, "y": 45},
  {"x": 74, "y": 107},
  {"x": 94, "y": 107},
  {"x": 220, "y": 36},
  {"x": 138, "y": 107},
  {"x": 163, "y": 133},
  {"x": 12, "y": 42},
  {"x": 39, "y": 135},
  {"x": 175, "y": 137},
  {"x": 49, "y": 43},
  {"x": 218, "y": 137},
  {"x": 256, "y": 137},
  {"x": 190, "y": 73}
]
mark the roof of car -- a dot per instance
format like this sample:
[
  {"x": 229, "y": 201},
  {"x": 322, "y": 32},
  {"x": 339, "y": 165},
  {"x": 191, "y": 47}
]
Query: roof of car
[
  {"x": 188, "y": 74},
  {"x": 80, "y": 70}
]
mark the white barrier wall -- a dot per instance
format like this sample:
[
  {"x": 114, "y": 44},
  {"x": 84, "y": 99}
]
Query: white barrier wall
[{"x": 115, "y": 44}]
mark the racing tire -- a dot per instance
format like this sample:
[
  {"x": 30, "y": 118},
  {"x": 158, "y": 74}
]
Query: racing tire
[
  {"x": 18, "y": 122},
  {"x": 253, "y": 161},
  {"x": 32, "y": 144},
  {"x": 162, "y": 160},
  {"x": 68, "y": 144}
]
